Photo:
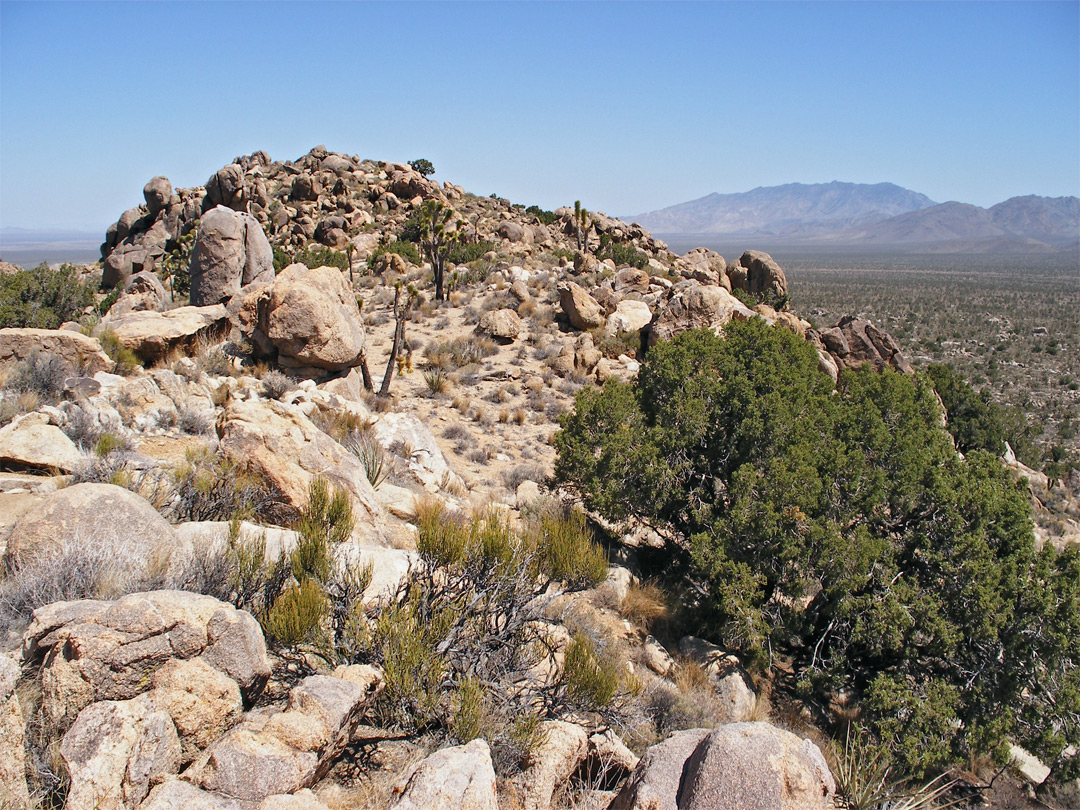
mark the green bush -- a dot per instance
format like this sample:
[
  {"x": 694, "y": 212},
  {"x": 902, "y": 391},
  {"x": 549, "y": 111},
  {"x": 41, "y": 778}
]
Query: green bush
[
  {"x": 466, "y": 252},
  {"x": 622, "y": 254},
  {"x": 843, "y": 529},
  {"x": 297, "y": 615},
  {"x": 566, "y": 551},
  {"x": 406, "y": 250},
  {"x": 591, "y": 680},
  {"x": 314, "y": 256},
  {"x": 43, "y": 298},
  {"x": 545, "y": 217},
  {"x": 125, "y": 360},
  {"x": 211, "y": 487}
]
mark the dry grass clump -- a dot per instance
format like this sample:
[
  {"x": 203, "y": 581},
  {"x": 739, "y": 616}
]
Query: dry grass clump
[
  {"x": 42, "y": 375},
  {"x": 459, "y": 352},
  {"x": 644, "y": 604},
  {"x": 276, "y": 385},
  {"x": 340, "y": 424}
]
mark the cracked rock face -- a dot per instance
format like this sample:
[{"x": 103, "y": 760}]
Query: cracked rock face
[{"x": 92, "y": 651}]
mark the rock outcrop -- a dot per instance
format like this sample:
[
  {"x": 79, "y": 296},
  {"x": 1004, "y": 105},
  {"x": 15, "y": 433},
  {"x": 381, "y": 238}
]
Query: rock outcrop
[
  {"x": 279, "y": 442},
  {"x": 309, "y": 317},
  {"x": 461, "y": 777},
  {"x": 78, "y": 350},
  {"x": 92, "y": 651},
  {"x": 854, "y": 342},
  {"x": 697, "y": 307},
  {"x": 742, "y": 766},
  {"x": 282, "y": 751},
  {"x": 231, "y": 251},
  {"x": 152, "y": 335},
  {"x": 110, "y": 530},
  {"x": 13, "y": 791}
]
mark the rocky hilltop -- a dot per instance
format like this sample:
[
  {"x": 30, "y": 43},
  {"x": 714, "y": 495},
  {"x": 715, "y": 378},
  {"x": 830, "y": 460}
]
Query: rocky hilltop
[{"x": 277, "y": 523}]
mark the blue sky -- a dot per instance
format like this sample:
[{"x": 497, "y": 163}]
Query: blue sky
[{"x": 625, "y": 106}]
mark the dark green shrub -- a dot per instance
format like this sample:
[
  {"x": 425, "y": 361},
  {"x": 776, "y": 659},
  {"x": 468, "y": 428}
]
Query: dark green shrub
[
  {"x": 423, "y": 166},
  {"x": 465, "y": 252},
  {"x": 297, "y": 615},
  {"x": 406, "y": 250},
  {"x": 43, "y": 298},
  {"x": 319, "y": 256},
  {"x": 622, "y": 253},
  {"x": 843, "y": 529},
  {"x": 545, "y": 217}
]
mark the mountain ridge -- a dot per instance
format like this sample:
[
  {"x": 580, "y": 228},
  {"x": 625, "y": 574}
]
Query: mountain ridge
[{"x": 872, "y": 215}]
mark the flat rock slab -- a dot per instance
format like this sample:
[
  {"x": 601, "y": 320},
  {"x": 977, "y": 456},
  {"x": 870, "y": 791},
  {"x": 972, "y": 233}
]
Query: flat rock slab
[{"x": 152, "y": 335}]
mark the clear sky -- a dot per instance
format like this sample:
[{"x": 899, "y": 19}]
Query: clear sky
[{"x": 626, "y": 106}]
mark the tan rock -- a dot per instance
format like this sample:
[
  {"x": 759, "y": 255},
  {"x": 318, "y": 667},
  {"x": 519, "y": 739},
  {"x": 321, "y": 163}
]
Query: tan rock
[
  {"x": 80, "y": 351},
  {"x": 312, "y": 318},
  {"x": 426, "y": 461},
  {"x": 152, "y": 335},
  {"x": 202, "y": 702},
  {"x": 698, "y": 307},
  {"x": 461, "y": 777},
  {"x": 744, "y": 765},
  {"x": 116, "y": 751},
  {"x": 629, "y": 316},
  {"x": 501, "y": 324},
  {"x": 29, "y": 441},
  {"x": 282, "y": 444},
  {"x": 563, "y": 750},
  {"x": 280, "y": 752},
  {"x": 13, "y": 790},
  {"x": 92, "y": 650},
  {"x": 581, "y": 308}
]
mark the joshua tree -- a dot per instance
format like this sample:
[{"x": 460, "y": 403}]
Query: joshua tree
[
  {"x": 401, "y": 315},
  {"x": 437, "y": 234},
  {"x": 581, "y": 224}
]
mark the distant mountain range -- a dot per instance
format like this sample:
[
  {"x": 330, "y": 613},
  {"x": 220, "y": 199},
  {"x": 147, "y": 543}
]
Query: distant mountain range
[{"x": 880, "y": 216}]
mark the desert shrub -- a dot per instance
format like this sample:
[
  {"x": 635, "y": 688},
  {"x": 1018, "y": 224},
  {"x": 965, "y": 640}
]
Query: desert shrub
[
  {"x": 739, "y": 445},
  {"x": 623, "y": 254},
  {"x": 109, "y": 442},
  {"x": 458, "y": 352},
  {"x": 275, "y": 385},
  {"x": 43, "y": 298},
  {"x": 297, "y": 615},
  {"x": 467, "y": 252},
  {"x": 318, "y": 256},
  {"x": 176, "y": 264},
  {"x": 340, "y": 424},
  {"x": 80, "y": 569},
  {"x": 565, "y": 549},
  {"x": 406, "y": 250},
  {"x": 470, "y": 610},
  {"x": 212, "y": 487},
  {"x": 437, "y": 381},
  {"x": 194, "y": 421},
  {"x": 42, "y": 374},
  {"x": 591, "y": 680},
  {"x": 545, "y": 217},
  {"x": 213, "y": 358},
  {"x": 125, "y": 359},
  {"x": 514, "y": 477}
]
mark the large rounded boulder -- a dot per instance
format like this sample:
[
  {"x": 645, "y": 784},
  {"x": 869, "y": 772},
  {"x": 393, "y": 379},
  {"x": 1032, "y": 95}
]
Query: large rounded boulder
[
  {"x": 747, "y": 766},
  {"x": 231, "y": 251},
  {"x": 103, "y": 532},
  {"x": 311, "y": 317}
]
